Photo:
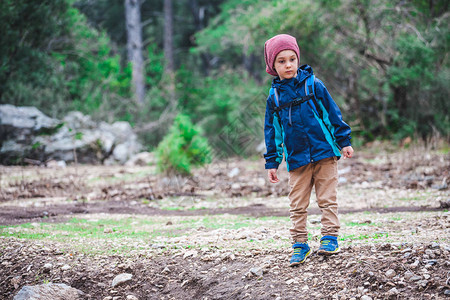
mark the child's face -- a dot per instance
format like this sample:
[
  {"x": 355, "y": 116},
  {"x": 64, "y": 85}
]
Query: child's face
[{"x": 286, "y": 64}]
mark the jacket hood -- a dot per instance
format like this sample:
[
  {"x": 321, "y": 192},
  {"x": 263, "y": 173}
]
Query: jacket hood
[{"x": 303, "y": 72}]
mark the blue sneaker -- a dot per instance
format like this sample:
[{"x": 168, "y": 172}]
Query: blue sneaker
[
  {"x": 328, "y": 245},
  {"x": 301, "y": 252}
]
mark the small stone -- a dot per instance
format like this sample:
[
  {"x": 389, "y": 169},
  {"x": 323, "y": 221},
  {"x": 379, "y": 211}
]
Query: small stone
[
  {"x": 435, "y": 245},
  {"x": 65, "y": 268},
  {"x": 132, "y": 297},
  {"x": 447, "y": 292},
  {"x": 415, "y": 278},
  {"x": 192, "y": 253},
  {"x": 256, "y": 271},
  {"x": 422, "y": 283},
  {"x": 121, "y": 279},
  {"x": 290, "y": 281},
  {"x": 107, "y": 298},
  {"x": 408, "y": 275},
  {"x": 107, "y": 230},
  {"x": 234, "y": 172},
  {"x": 390, "y": 283},
  {"x": 431, "y": 262},
  {"x": 47, "y": 267},
  {"x": 390, "y": 273},
  {"x": 415, "y": 264},
  {"x": 365, "y": 297},
  {"x": 305, "y": 288},
  {"x": 16, "y": 281},
  {"x": 393, "y": 292}
]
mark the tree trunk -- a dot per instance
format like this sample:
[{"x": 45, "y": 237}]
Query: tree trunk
[
  {"x": 199, "y": 14},
  {"x": 168, "y": 36},
  {"x": 169, "y": 66},
  {"x": 134, "y": 48}
]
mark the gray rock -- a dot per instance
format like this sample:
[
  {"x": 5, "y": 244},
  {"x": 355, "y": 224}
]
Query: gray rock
[
  {"x": 25, "y": 117},
  {"x": 390, "y": 273},
  {"x": 27, "y": 132},
  {"x": 65, "y": 268},
  {"x": 408, "y": 275},
  {"x": 257, "y": 271},
  {"x": 47, "y": 267},
  {"x": 422, "y": 283},
  {"x": 76, "y": 120},
  {"x": 50, "y": 291},
  {"x": 415, "y": 278},
  {"x": 435, "y": 245},
  {"x": 392, "y": 293},
  {"x": 142, "y": 159},
  {"x": 365, "y": 297},
  {"x": 122, "y": 130},
  {"x": 415, "y": 264},
  {"x": 121, "y": 279},
  {"x": 234, "y": 172},
  {"x": 447, "y": 292},
  {"x": 431, "y": 262}
]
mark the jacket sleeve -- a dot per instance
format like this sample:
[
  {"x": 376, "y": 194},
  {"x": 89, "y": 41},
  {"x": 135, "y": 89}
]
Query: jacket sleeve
[
  {"x": 273, "y": 138},
  {"x": 341, "y": 129}
]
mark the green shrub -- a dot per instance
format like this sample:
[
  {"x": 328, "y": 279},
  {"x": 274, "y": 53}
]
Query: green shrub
[{"x": 182, "y": 148}]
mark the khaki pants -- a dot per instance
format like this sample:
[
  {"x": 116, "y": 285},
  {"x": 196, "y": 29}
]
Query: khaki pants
[{"x": 323, "y": 175}]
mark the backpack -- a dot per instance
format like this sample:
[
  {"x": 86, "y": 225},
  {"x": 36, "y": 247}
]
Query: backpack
[{"x": 320, "y": 113}]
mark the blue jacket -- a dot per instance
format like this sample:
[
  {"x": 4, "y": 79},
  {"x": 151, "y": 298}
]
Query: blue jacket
[{"x": 301, "y": 134}]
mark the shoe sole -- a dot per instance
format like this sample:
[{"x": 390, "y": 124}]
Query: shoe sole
[
  {"x": 324, "y": 252},
  {"x": 300, "y": 262}
]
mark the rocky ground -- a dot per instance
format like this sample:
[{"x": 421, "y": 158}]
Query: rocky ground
[{"x": 129, "y": 233}]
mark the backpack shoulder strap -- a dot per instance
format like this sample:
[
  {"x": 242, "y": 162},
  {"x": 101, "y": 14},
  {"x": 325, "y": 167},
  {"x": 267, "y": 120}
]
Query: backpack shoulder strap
[
  {"x": 309, "y": 90},
  {"x": 277, "y": 101},
  {"x": 309, "y": 86}
]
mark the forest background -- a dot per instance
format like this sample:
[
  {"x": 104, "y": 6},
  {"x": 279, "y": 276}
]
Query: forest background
[{"x": 385, "y": 63}]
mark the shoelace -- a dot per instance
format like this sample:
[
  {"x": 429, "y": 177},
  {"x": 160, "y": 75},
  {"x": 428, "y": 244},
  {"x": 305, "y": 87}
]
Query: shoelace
[
  {"x": 297, "y": 250},
  {"x": 325, "y": 242}
]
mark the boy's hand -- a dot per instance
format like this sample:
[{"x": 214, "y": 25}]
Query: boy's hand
[
  {"x": 347, "y": 152},
  {"x": 272, "y": 174}
]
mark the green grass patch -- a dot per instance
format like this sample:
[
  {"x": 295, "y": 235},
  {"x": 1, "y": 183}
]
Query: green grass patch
[
  {"x": 127, "y": 177},
  {"x": 415, "y": 198},
  {"x": 358, "y": 224},
  {"x": 372, "y": 236},
  {"x": 172, "y": 208},
  {"x": 26, "y": 235}
]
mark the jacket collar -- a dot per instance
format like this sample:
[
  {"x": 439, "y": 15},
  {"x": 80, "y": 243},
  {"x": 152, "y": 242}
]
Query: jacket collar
[{"x": 285, "y": 85}]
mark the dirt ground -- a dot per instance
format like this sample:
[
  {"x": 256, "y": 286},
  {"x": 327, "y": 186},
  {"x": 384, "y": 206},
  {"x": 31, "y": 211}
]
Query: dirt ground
[{"x": 224, "y": 233}]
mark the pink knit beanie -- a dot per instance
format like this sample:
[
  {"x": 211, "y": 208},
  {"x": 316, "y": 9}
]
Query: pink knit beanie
[{"x": 274, "y": 46}]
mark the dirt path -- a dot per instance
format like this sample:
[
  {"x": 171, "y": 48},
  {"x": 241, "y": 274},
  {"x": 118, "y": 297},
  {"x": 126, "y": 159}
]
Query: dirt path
[
  {"x": 223, "y": 234},
  {"x": 12, "y": 215}
]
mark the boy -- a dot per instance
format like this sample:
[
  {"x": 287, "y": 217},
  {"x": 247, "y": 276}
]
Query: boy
[{"x": 304, "y": 121}]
